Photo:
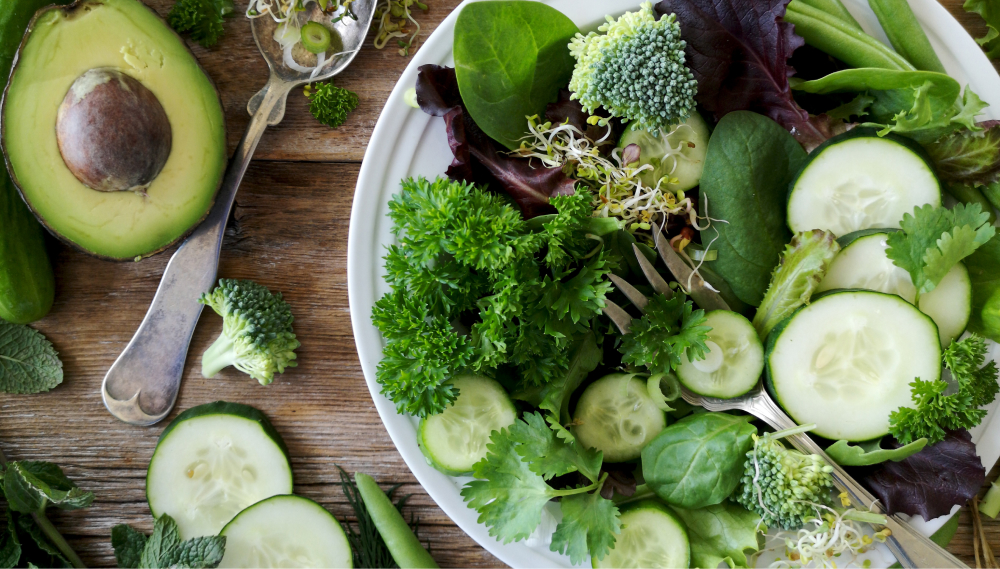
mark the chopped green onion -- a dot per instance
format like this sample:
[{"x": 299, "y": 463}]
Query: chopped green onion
[
  {"x": 702, "y": 255},
  {"x": 410, "y": 97},
  {"x": 663, "y": 388},
  {"x": 990, "y": 506},
  {"x": 315, "y": 37}
]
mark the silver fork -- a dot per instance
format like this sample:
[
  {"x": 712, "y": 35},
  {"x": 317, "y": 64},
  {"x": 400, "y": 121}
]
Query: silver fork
[
  {"x": 142, "y": 385},
  {"x": 910, "y": 547}
]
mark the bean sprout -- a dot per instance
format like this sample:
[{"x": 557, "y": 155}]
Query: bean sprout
[
  {"x": 828, "y": 536},
  {"x": 289, "y": 31},
  {"x": 392, "y": 16}
]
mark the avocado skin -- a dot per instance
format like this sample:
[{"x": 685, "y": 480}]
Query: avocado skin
[
  {"x": 27, "y": 284},
  {"x": 11, "y": 52}
]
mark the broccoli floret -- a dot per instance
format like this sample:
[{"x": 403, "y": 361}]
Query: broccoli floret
[
  {"x": 635, "y": 70},
  {"x": 201, "y": 18},
  {"x": 257, "y": 336},
  {"x": 782, "y": 485},
  {"x": 330, "y": 104}
]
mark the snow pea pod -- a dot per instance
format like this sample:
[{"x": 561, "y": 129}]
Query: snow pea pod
[
  {"x": 901, "y": 26},
  {"x": 841, "y": 39}
]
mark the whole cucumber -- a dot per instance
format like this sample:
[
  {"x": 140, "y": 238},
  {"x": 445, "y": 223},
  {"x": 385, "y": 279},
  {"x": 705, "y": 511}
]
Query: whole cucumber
[{"x": 27, "y": 286}]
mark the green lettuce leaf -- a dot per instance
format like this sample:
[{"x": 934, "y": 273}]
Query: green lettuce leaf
[
  {"x": 968, "y": 157},
  {"x": 990, "y": 11},
  {"x": 803, "y": 266}
]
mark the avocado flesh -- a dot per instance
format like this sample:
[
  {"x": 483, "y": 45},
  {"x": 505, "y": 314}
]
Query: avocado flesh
[{"x": 61, "y": 46}]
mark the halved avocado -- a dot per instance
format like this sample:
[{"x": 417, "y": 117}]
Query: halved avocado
[{"x": 112, "y": 131}]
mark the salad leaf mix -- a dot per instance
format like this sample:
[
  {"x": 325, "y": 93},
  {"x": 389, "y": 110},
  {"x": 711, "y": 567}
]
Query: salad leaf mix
[{"x": 555, "y": 208}]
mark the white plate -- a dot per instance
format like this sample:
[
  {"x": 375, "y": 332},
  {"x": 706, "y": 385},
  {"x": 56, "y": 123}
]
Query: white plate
[{"x": 407, "y": 142}]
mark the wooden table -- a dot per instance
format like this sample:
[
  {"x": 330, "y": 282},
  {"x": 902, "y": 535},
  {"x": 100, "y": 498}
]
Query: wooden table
[{"x": 288, "y": 231}]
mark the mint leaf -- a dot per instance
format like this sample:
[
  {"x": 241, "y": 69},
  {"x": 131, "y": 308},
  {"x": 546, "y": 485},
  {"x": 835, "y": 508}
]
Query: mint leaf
[
  {"x": 934, "y": 239},
  {"x": 509, "y": 496},
  {"x": 31, "y": 485},
  {"x": 129, "y": 544},
  {"x": 10, "y": 545},
  {"x": 550, "y": 456},
  {"x": 28, "y": 362},
  {"x": 165, "y": 549},
  {"x": 45, "y": 554},
  {"x": 588, "y": 527}
]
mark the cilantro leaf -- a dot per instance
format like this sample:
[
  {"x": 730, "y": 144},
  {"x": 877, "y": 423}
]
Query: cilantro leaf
[
  {"x": 933, "y": 412},
  {"x": 549, "y": 455},
  {"x": 165, "y": 549},
  {"x": 934, "y": 239},
  {"x": 509, "y": 496},
  {"x": 28, "y": 362},
  {"x": 588, "y": 527},
  {"x": 128, "y": 544},
  {"x": 665, "y": 331},
  {"x": 203, "y": 19},
  {"x": 990, "y": 12}
]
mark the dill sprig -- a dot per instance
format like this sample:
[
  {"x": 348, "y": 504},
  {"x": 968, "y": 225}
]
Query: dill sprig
[{"x": 367, "y": 545}]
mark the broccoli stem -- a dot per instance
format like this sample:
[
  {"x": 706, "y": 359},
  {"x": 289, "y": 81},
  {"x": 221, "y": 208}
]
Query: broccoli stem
[
  {"x": 990, "y": 506},
  {"x": 218, "y": 356},
  {"x": 792, "y": 431}
]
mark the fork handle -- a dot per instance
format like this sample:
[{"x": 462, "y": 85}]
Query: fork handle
[
  {"x": 911, "y": 548},
  {"x": 142, "y": 385}
]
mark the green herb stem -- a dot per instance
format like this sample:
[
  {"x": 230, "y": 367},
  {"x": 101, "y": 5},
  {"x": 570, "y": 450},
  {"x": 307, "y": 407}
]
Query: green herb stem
[
  {"x": 596, "y": 486},
  {"x": 842, "y": 40},
  {"x": 799, "y": 429},
  {"x": 905, "y": 34},
  {"x": 56, "y": 538},
  {"x": 642, "y": 492}
]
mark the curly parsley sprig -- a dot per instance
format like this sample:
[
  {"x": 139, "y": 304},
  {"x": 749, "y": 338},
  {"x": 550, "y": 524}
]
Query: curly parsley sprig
[
  {"x": 476, "y": 287},
  {"x": 668, "y": 328}
]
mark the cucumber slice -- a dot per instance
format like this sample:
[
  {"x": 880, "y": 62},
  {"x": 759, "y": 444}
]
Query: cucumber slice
[
  {"x": 735, "y": 362},
  {"x": 846, "y": 361},
  {"x": 213, "y": 461},
  {"x": 652, "y": 536},
  {"x": 455, "y": 439},
  {"x": 864, "y": 264},
  {"x": 617, "y": 416},
  {"x": 859, "y": 180},
  {"x": 285, "y": 531},
  {"x": 678, "y": 154}
]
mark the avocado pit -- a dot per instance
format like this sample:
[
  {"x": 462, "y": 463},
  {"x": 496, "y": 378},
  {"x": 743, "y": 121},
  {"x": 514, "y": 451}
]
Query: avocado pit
[{"x": 112, "y": 131}]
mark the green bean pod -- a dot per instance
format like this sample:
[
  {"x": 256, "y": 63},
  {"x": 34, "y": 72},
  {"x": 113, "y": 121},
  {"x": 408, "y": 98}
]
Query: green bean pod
[
  {"x": 842, "y": 40},
  {"x": 404, "y": 546},
  {"x": 834, "y": 8},
  {"x": 905, "y": 33}
]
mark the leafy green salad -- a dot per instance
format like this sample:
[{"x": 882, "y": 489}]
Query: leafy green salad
[{"x": 708, "y": 198}]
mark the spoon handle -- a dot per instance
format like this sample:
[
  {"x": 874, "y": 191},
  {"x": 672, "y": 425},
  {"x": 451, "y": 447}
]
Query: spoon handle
[
  {"x": 911, "y": 548},
  {"x": 141, "y": 386}
]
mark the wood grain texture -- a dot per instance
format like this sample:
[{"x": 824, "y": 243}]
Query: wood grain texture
[{"x": 288, "y": 231}]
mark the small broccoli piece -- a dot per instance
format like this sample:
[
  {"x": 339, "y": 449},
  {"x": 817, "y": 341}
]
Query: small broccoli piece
[
  {"x": 635, "y": 70},
  {"x": 329, "y": 103},
  {"x": 201, "y": 18},
  {"x": 257, "y": 336},
  {"x": 785, "y": 487}
]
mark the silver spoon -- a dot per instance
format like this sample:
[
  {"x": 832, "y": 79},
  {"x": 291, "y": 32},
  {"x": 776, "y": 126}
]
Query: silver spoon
[
  {"x": 909, "y": 546},
  {"x": 141, "y": 386}
]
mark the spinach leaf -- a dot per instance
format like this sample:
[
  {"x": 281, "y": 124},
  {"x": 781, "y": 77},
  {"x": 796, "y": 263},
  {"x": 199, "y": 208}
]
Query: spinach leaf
[
  {"x": 750, "y": 162},
  {"x": 871, "y": 452},
  {"x": 721, "y": 533},
  {"x": 984, "y": 272},
  {"x": 511, "y": 59},
  {"x": 698, "y": 461}
]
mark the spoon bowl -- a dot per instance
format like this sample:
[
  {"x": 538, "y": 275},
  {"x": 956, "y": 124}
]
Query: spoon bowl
[{"x": 142, "y": 385}]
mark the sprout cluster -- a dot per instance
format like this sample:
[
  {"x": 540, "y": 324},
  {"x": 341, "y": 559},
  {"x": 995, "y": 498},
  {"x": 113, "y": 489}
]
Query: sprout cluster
[{"x": 635, "y": 70}]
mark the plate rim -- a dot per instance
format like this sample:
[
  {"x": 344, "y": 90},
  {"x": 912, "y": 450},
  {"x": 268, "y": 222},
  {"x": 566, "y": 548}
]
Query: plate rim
[{"x": 393, "y": 119}]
